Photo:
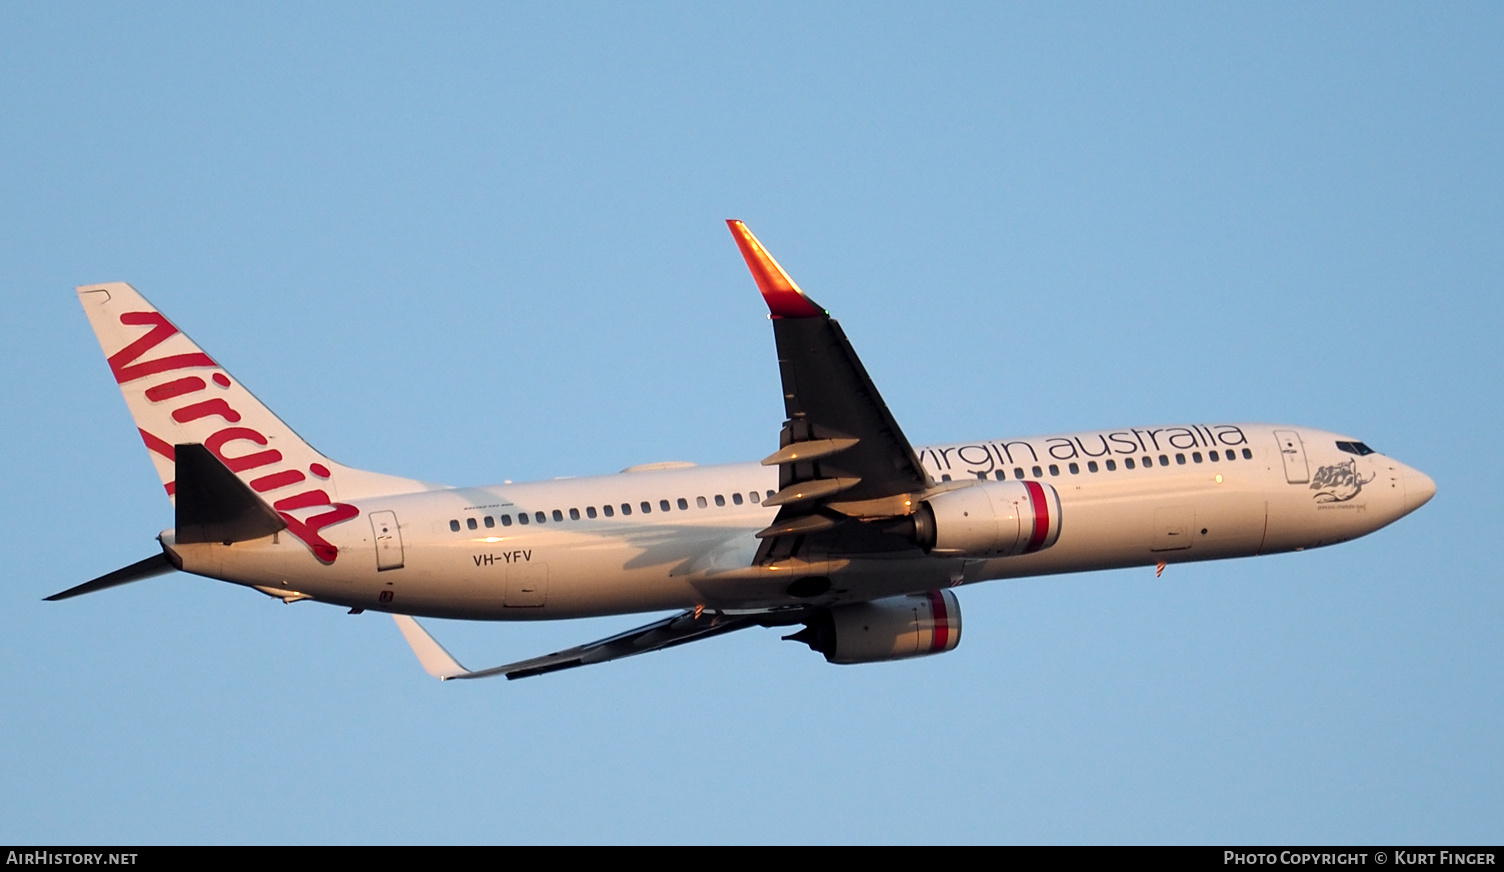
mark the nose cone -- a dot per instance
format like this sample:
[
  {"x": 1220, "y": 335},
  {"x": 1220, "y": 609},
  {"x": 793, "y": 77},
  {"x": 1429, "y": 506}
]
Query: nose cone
[{"x": 1419, "y": 488}]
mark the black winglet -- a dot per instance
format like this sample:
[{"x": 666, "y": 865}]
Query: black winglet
[{"x": 215, "y": 506}]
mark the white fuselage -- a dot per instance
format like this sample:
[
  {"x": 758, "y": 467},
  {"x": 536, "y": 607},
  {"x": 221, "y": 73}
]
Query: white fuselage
[{"x": 465, "y": 553}]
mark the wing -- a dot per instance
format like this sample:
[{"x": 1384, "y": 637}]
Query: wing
[
  {"x": 843, "y": 463},
  {"x": 687, "y": 626}
]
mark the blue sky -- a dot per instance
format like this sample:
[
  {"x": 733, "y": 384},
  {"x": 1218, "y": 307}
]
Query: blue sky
[{"x": 468, "y": 243}]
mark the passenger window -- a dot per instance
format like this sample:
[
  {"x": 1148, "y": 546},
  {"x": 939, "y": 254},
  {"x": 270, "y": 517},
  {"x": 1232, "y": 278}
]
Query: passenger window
[
  {"x": 1091, "y": 466},
  {"x": 590, "y": 512},
  {"x": 1018, "y": 472},
  {"x": 1127, "y": 463},
  {"x": 1180, "y": 459},
  {"x": 1148, "y": 462},
  {"x": 770, "y": 494},
  {"x": 1164, "y": 461},
  {"x": 1000, "y": 475},
  {"x": 1112, "y": 466},
  {"x": 574, "y": 514},
  {"x": 506, "y": 520},
  {"x": 522, "y": 518},
  {"x": 1247, "y": 455},
  {"x": 684, "y": 504},
  {"x": 1054, "y": 469},
  {"x": 454, "y": 526},
  {"x": 1075, "y": 468},
  {"x": 647, "y": 507},
  {"x": 558, "y": 515},
  {"x": 470, "y": 523},
  {"x": 945, "y": 477},
  {"x": 608, "y": 510},
  {"x": 720, "y": 500},
  {"x": 542, "y": 518},
  {"x": 1214, "y": 456},
  {"x": 735, "y": 498},
  {"x": 753, "y": 496},
  {"x": 1196, "y": 456},
  {"x": 663, "y": 505},
  {"x": 489, "y": 521},
  {"x": 626, "y": 508},
  {"x": 1038, "y": 473}
]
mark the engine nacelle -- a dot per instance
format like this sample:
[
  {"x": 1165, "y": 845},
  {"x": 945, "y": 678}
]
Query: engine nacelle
[
  {"x": 894, "y": 628},
  {"x": 989, "y": 519}
]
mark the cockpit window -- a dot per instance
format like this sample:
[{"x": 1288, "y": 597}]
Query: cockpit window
[{"x": 1357, "y": 448}]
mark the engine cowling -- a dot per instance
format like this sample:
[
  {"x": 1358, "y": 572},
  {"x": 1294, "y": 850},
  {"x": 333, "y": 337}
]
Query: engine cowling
[
  {"x": 989, "y": 519},
  {"x": 895, "y": 628}
]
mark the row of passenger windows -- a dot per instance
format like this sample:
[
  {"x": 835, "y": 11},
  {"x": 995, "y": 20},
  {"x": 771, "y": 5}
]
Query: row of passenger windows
[
  {"x": 1213, "y": 456},
  {"x": 646, "y": 506},
  {"x": 608, "y": 511}
]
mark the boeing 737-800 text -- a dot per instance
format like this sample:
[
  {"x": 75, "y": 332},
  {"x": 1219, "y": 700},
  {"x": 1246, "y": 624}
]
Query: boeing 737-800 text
[{"x": 845, "y": 530}]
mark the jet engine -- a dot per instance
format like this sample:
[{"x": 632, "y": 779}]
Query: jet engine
[
  {"x": 989, "y": 519},
  {"x": 894, "y": 628}
]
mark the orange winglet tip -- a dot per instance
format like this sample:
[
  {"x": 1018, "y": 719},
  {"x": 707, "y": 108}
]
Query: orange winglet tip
[{"x": 784, "y": 298}]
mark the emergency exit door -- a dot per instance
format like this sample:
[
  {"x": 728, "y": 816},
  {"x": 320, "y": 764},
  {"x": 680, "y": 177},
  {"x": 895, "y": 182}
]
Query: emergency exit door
[
  {"x": 1293, "y": 452},
  {"x": 388, "y": 540}
]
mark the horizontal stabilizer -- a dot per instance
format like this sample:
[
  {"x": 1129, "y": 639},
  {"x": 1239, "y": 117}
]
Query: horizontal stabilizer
[
  {"x": 215, "y": 506},
  {"x": 151, "y": 566}
]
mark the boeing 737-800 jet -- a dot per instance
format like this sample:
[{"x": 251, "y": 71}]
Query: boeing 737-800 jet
[{"x": 846, "y": 530}]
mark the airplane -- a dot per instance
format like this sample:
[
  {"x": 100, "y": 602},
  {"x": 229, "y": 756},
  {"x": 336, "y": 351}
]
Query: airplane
[{"x": 846, "y": 532}]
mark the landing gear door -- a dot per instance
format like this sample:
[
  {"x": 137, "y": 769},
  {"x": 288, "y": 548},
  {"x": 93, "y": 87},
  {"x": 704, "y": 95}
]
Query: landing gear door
[
  {"x": 1293, "y": 453},
  {"x": 388, "y": 540}
]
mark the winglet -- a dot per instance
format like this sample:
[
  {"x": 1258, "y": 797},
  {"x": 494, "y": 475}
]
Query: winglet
[
  {"x": 436, "y": 661},
  {"x": 784, "y": 298}
]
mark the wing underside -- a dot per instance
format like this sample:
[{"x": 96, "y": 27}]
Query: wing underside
[{"x": 845, "y": 468}]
